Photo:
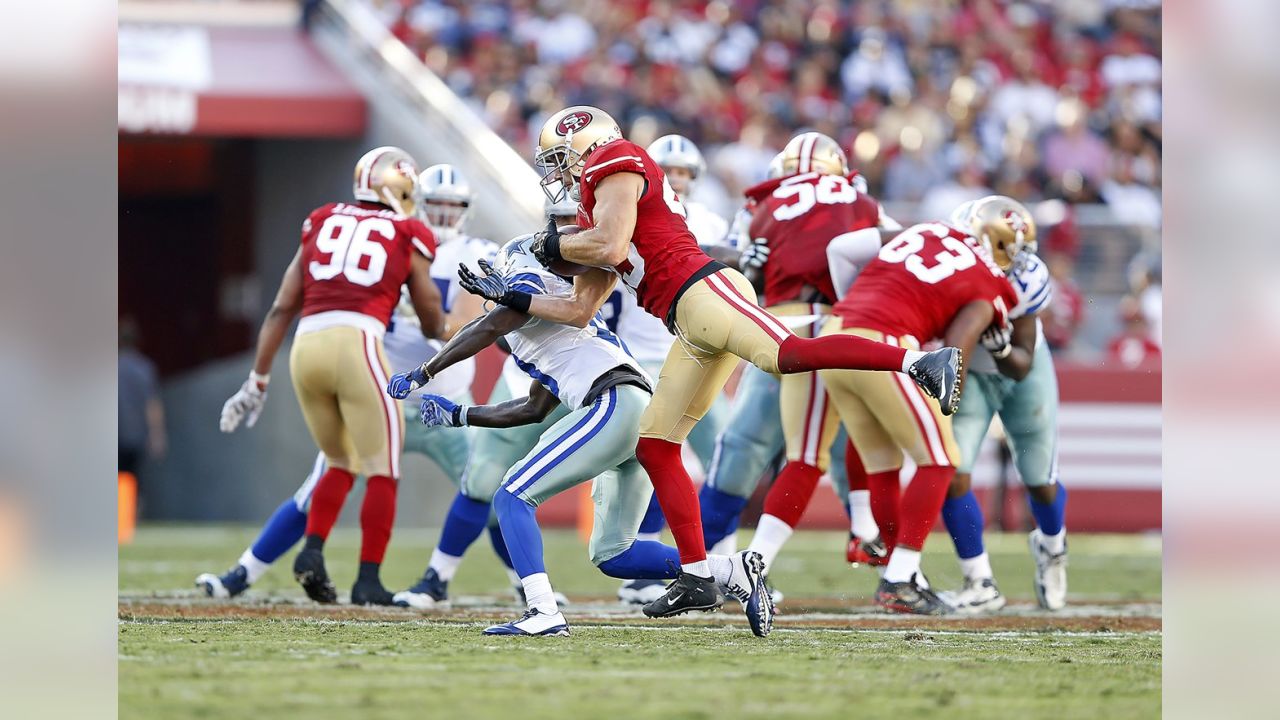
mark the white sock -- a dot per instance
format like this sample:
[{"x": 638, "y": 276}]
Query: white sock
[
  {"x": 1055, "y": 544},
  {"x": 910, "y": 359},
  {"x": 649, "y": 536},
  {"x": 976, "y": 568},
  {"x": 771, "y": 535},
  {"x": 700, "y": 568},
  {"x": 538, "y": 593},
  {"x": 721, "y": 567},
  {"x": 861, "y": 521},
  {"x": 727, "y": 546},
  {"x": 903, "y": 563},
  {"x": 253, "y": 566},
  {"x": 444, "y": 564}
]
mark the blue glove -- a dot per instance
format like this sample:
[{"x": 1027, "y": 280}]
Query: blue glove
[
  {"x": 438, "y": 411},
  {"x": 402, "y": 384}
]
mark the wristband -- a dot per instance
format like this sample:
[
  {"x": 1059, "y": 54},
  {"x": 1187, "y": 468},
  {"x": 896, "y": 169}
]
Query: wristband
[
  {"x": 552, "y": 246},
  {"x": 516, "y": 300},
  {"x": 460, "y": 415},
  {"x": 1002, "y": 353},
  {"x": 260, "y": 380}
]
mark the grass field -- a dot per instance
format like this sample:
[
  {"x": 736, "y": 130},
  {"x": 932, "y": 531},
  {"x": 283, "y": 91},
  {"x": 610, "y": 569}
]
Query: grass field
[{"x": 272, "y": 654}]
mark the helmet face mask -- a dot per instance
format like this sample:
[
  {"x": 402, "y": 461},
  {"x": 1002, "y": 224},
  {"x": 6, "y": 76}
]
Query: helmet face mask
[
  {"x": 563, "y": 144},
  {"x": 387, "y": 175}
]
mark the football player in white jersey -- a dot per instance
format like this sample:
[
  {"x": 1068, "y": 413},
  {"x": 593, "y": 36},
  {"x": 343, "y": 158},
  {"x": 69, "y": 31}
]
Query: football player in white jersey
[
  {"x": 1011, "y": 374},
  {"x": 577, "y": 363},
  {"x": 443, "y": 200}
]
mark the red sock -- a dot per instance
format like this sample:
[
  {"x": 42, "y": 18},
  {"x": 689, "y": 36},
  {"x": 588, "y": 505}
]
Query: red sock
[
  {"x": 791, "y": 492},
  {"x": 845, "y": 352},
  {"x": 853, "y": 468},
  {"x": 676, "y": 495},
  {"x": 326, "y": 501},
  {"x": 885, "y": 493},
  {"x": 921, "y": 503},
  {"x": 377, "y": 515}
]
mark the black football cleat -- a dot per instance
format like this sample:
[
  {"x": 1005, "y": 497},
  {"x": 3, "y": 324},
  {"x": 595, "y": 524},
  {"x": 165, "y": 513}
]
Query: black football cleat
[
  {"x": 371, "y": 592},
  {"x": 308, "y": 570},
  {"x": 872, "y": 552},
  {"x": 908, "y": 597},
  {"x": 687, "y": 593},
  {"x": 938, "y": 374}
]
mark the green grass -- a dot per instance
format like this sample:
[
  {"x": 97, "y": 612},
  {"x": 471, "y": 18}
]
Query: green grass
[{"x": 207, "y": 666}]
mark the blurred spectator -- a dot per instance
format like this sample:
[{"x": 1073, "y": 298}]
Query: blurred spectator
[
  {"x": 1145, "y": 286},
  {"x": 1065, "y": 314},
  {"x": 1074, "y": 147},
  {"x": 141, "y": 415},
  {"x": 1133, "y": 347}
]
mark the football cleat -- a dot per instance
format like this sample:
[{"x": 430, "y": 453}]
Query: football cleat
[
  {"x": 976, "y": 597},
  {"x": 686, "y": 593},
  {"x": 1051, "y": 573},
  {"x": 234, "y": 582},
  {"x": 371, "y": 592},
  {"x": 938, "y": 374},
  {"x": 641, "y": 592},
  {"x": 308, "y": 570},
  {"x": 909, "y": 597},
  {"x": 746, "y": 585},
  {"x": 872, "y": 552},
  {"x": 533, "y": 623},
  {"x": 429, "y": 592}
]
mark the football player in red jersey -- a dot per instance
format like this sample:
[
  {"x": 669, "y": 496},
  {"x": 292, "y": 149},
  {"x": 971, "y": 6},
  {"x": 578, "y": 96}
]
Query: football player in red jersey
[
  {"x": 345, "y": 281},
  {"x": 931, "y": 281},
  {"x": 817, "y": 202},
  {"x": 635, "y": 226}
]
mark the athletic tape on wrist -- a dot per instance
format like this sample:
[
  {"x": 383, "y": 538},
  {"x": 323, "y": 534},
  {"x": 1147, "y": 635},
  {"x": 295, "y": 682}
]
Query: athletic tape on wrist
[{"x": 517, "y": 300}]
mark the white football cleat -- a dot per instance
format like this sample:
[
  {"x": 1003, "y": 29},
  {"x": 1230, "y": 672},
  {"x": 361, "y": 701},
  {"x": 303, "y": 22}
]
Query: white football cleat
[
  {"x": 641, "y": 592},
  {"x": 1051, "y": 573},
  {"x": 534, "y": 622},
  {"x": 978, "y": 596},
  {"x": 420, "y": 601},
  {"x": 746, "y": 585}
]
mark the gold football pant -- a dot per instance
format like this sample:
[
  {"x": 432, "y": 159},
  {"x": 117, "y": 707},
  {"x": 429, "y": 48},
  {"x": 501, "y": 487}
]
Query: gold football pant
[
  {"x": 717, "y": 322},
  {"x": 887, "y": 413},
  {"x": 809, "y": 421},
  {"x": 340, "y": 376}
]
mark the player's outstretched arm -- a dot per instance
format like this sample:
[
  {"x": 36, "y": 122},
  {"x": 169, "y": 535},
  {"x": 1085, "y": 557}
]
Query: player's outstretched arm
[
  {"x": 605, "y": 245},
  {"x": 590, "y": 289},
  {"x": 1014, "y": 351},
  {"x": 513, "y": 413},
  {"x": 965, "y": 329},
  {"x": 284, "y": 309},
  {"x": 469, "y": 341},
  {"x": 425, "y": 296}
]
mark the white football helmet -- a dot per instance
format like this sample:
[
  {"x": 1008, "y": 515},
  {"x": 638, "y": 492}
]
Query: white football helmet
[
  {"x": 444, "y": 199},
  {"x": 678, "y": 151}
]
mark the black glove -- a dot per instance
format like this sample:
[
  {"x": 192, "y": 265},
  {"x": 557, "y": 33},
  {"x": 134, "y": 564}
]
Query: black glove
[
  {"x": 546, "y": 244},
  {"x": 492, "y": 286}
]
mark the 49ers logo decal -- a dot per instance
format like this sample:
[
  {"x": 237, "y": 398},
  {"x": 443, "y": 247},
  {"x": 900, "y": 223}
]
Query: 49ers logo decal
[
  {"x": 1017, "y": 223},
  {"x": 573, "y": 122}
]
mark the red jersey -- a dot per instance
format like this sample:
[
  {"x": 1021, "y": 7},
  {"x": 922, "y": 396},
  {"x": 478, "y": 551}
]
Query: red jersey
[
  {"x": 356, "y": 257},
  {"x": 920, "y": 281},
  {"x": 798, "y": 216},
  {"x": 663, "y": 253}
]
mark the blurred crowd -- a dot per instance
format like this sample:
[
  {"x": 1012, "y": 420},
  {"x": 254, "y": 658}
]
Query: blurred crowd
[{"x": 938, "y": 101}]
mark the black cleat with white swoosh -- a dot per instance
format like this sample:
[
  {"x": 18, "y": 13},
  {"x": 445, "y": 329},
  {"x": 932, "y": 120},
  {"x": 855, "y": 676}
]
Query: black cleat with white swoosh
[{"x": 687, "y": 593}]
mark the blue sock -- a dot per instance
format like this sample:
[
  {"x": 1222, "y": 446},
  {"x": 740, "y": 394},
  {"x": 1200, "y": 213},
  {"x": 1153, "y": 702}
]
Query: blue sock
[
  {"x": 463, "y": 525},
  {"x": 720, "y": 512},
  {"x": 282, "y": 531},
  {"x": 654, "y": 520},
  {"x": 519, "y": 522},
  {"x": 500, "y": 545},
  {"x": 644, "y": 560},
  {"x": 964, "y": 520},
  {"x": 1051, "y": 518}
]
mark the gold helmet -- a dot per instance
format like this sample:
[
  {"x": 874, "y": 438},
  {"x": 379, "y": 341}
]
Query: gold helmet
[
  {"x": 814, "y": 152},
  {"x": 1005, "y": 227},
  {"x": 387, "y": 175},
  {"x": 563, "y": 144}
]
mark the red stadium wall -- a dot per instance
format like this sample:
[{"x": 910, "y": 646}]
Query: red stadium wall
[{"x": 1109, "y": 458}]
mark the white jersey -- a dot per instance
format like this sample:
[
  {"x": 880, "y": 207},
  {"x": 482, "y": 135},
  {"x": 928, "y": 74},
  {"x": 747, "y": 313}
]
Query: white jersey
[
  {"x": 646, "y": 336},
  {"x": 566, "y": 360},
  {"x": 1031, "y": 282}
]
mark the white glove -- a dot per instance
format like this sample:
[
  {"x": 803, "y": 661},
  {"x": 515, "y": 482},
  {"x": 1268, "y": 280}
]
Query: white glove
[
  {"x": 996, "y": 339},
  {"x": 245, "y": 405},
  {"x": 755, "y": 256}
]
